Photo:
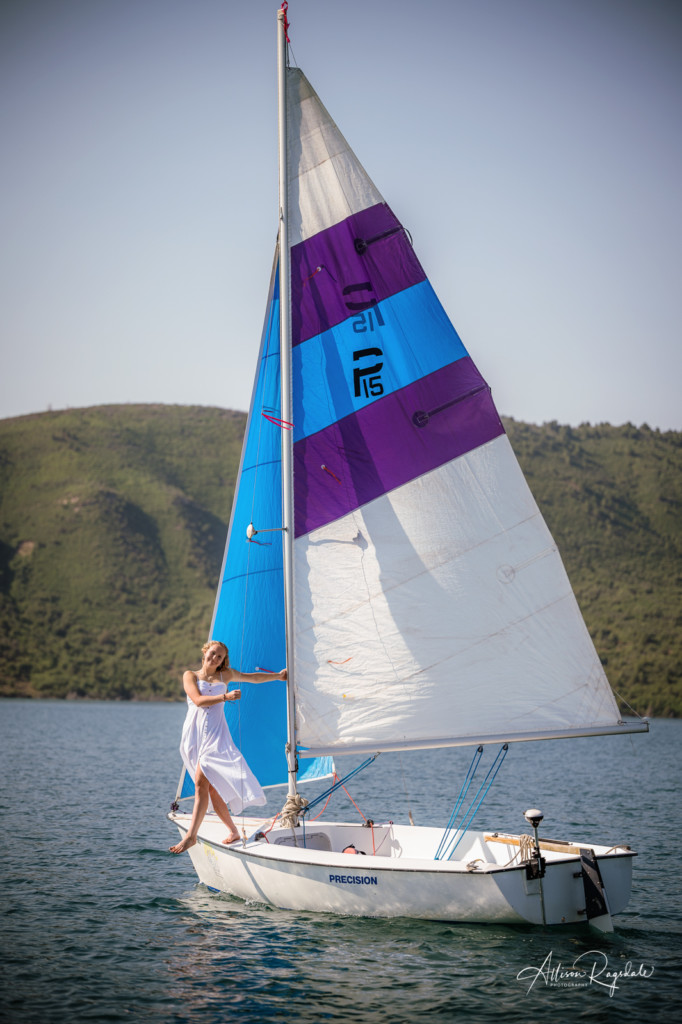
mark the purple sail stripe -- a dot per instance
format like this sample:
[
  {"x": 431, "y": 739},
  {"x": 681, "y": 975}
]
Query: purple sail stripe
[
  {"x": 331, "y": 281},
  {"x": 396, "y": 439}
]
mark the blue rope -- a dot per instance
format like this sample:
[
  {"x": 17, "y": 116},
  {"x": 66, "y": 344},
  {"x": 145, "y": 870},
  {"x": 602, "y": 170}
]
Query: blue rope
[
  {"x": 473, "y": 810},
  {"x": 474, "y": 806},
  {"x": 331, "y": 789},
  {"x": 339, "y": 782},
  {"x": 327, "y": 793},
  {"x": 462, "y": 793}
]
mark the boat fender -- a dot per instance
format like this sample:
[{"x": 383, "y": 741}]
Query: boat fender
[{"x": 351, "y": 849}]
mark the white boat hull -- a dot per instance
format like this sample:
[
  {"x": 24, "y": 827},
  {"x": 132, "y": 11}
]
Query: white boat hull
[{"x": 402, "y": 879}]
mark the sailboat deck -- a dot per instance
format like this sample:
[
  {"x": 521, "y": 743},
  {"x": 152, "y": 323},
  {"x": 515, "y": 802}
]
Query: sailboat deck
[{"x": 403, "y": 845}]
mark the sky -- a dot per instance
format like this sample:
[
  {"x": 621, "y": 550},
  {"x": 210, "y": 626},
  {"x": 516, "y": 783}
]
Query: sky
[{"x": 532, "y": 148}]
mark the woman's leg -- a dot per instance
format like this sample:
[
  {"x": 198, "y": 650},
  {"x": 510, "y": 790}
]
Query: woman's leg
[
  {"x": 201, "y": 787},
  {"x": 223, "y": 812}
]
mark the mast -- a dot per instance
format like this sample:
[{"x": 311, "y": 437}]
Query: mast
[{"x": 285, "y": 378}]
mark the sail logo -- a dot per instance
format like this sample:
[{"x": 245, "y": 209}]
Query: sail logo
[
  {"x": 354, "y": 879},
  {"x": 366, "y": 379},
  {"x": 368, "y": 315}
]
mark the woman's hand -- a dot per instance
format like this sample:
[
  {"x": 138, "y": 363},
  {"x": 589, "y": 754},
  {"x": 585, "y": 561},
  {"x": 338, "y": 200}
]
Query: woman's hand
[
  {"x": 283, "y": 674},
  {"x": 233, "y": 695}
]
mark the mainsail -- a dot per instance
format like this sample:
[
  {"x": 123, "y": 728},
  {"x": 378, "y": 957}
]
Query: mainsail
[{"x": 431, "y": 605}]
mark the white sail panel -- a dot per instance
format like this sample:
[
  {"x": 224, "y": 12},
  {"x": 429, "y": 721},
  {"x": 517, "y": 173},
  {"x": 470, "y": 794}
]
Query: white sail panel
[
  {"x": 441, "y": 611},
  {"x": 326, "y": 181}
]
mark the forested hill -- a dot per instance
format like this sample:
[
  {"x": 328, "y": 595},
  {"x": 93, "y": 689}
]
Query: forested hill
[{"x": 113, "y": 521}]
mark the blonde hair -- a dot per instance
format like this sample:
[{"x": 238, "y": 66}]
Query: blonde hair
[{"x": 225, "y": 663}]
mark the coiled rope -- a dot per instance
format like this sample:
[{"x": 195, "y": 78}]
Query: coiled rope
[
  {"x": 294, "y": 806},
  {"x": 525, "y": 850}
]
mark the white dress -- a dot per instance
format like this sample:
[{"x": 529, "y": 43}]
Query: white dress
[{"x": 206, "y": 741}]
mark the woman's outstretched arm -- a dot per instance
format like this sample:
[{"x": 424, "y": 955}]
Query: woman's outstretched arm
[{"x": 253, "y": 677}]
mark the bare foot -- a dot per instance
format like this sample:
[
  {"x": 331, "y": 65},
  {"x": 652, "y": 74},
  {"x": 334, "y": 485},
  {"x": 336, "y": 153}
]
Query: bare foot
[
  {"x": 183, "y": 845},
  {"x": 233, "y": 837}
]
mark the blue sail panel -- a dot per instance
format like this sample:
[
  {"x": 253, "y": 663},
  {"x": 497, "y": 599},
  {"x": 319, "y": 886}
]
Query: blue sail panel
[{"x": 249, "y": 611}]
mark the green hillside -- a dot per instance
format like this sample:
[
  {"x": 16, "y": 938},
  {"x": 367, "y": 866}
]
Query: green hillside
[
  {"x": 113, "y": 521},
  {"x": 112, "y": 528}
]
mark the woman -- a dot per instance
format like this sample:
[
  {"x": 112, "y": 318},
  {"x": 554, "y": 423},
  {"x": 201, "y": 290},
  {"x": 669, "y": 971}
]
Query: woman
[{"x": 208, "y": 751}]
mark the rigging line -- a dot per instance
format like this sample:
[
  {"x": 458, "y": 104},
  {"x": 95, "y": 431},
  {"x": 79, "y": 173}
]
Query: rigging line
[
  {"x": 353, "y": 802},
  {"x": 241, "y": 639},
  {"x": 316, "y": 271},
  {"x": 335, "y": 776},
  {"x": 266, "y": 358},
  {"x": 264, "y": 832},
  {"x": 475, "y": 761},
  {"x": 242, "y": 773},
  {"x": 337, "y": 784},
  {"x": 474, "y": 806},
  {"x": 340, "y": 783},
  {"x": 266, "y": 367},
  {"x": 277, "y": 421},
  {"x": 635, "y": 713},
  {"x": 263, "y": 390},
  {"x": 327, "y": 470},
  {"x": 386, "y": 835}
]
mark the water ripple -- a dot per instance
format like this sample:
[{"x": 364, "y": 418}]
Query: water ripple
[{"x": 101, "y": 924}]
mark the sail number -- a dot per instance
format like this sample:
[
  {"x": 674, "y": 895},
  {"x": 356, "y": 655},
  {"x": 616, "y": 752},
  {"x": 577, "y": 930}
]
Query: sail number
[{"x": 366, "y": 377}]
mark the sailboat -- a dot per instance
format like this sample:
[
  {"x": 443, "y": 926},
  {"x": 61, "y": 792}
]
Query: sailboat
[{"x": 384, "y": 544}]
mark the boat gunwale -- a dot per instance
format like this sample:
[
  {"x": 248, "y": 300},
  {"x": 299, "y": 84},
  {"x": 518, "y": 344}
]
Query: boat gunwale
[{"x": 259, "y": 852}]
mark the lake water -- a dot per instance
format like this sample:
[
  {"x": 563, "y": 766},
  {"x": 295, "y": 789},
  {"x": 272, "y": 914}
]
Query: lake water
[{"x": 100, "y": 923}]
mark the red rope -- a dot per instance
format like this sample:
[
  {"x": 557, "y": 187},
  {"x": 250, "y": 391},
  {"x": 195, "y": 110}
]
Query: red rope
[
  {"x": 353, "y": 802},
  {"x": 311, "y": 276},
  {"x": 327, "y": 470},
  {"x": 335, "y": 777},
  {"x": 371, "y": 827},
  {"x": 386, "y": 835},
  {"x": 272, "y": 824},
  {"x": 285, "y": 8},
  {"x": 277, "y": 422}
]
